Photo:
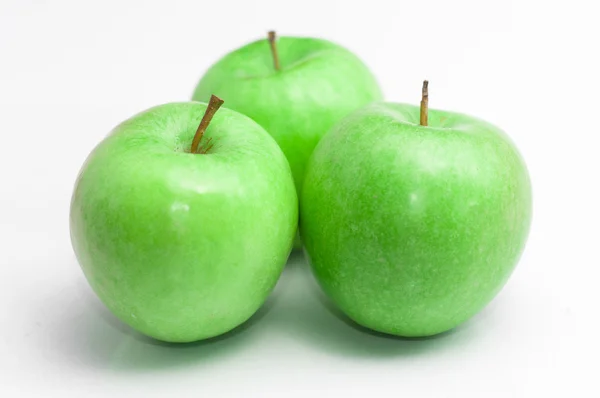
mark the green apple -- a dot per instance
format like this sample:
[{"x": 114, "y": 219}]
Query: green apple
[
  {"x": 297, "y": 89},
  {"x": 413, "y": 229},
  {"x": 181, "y": 245}
]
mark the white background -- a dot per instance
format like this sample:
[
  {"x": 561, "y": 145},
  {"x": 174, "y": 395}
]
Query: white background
[{"x": 71, "y": 70}]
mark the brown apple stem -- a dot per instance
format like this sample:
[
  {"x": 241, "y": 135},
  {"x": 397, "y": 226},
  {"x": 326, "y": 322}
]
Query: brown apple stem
[
  {"x": 272, "y": 42},
  {"x": 213, "y": 106},
  {"x": 424, "y": 103}
]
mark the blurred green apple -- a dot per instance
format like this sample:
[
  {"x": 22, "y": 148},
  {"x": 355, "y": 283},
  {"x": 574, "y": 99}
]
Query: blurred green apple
[{"x": 296, "y": 88}]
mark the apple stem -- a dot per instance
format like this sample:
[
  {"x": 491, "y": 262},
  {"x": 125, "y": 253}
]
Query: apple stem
[
  {"x": 272, "y": 42},
  {"x": 213, "y": 106},
  {"x": 424, "y": 103}
]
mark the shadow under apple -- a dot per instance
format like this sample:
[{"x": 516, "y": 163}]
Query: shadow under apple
[
  {"x": 304, "y": 312},
  {"x": 85, "y": 332}
]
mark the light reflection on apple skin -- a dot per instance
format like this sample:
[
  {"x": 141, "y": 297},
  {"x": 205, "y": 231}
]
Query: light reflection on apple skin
[{"x": 86, "y": 333}]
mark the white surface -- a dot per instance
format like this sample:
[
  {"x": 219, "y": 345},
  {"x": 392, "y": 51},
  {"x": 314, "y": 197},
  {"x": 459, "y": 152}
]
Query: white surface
[{"x": 70, "y": 71}]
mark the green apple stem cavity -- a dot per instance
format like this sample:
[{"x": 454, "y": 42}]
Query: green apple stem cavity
[
  {"x": 424, "y": 103},
  {"x": 273, "y": 43},
  {"x": 213, "y": 106}
]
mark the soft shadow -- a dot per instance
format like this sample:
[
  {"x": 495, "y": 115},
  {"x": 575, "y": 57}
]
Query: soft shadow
[
  {"x": 303, "y": 311},
  {"x": 83, "y": 331},
  {"x": 79, "y": 329}
]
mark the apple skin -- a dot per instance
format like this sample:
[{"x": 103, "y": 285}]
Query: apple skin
[
  {"x": 319, "y": 83},
  {"x": 412, "y": 230},
  {"x": 184, "y": 246}
]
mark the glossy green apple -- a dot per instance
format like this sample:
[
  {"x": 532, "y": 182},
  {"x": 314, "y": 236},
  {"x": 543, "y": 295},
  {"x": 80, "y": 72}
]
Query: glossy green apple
[
  {"x": 315, "y": 84},
  {"x": 184, "y": 246},
  {"x": 413, "y": 229}
]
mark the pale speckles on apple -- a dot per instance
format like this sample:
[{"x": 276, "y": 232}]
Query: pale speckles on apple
[
  {"x": 450, "y": 220},
  {"x": 180, "y": 207}
]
